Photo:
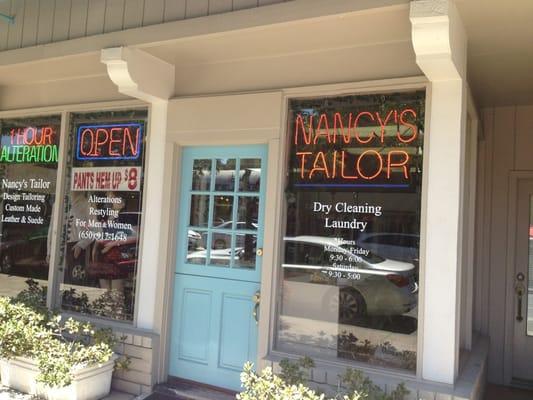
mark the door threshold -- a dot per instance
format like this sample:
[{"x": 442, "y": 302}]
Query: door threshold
[
  {"x": 182, "y": 389},
  {"x": 521, "y": 384},
  {"x": 499, "y": 392}
]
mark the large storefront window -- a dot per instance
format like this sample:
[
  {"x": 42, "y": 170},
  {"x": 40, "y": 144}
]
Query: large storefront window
[
  {"x": 350, "y": 267},
  {"x": 28, "y": 166},
  {"x": 103, "y": 213}
]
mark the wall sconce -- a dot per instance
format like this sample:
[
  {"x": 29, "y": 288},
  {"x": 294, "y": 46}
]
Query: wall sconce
[{"x": 8, "y": 18}]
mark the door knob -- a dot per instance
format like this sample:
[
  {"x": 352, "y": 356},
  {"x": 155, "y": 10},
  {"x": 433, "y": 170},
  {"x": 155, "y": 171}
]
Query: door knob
[
  {"x": 259, "y": 252},
  {"x": 519, "y": 290},
  {"x": 257, "y": 300}
]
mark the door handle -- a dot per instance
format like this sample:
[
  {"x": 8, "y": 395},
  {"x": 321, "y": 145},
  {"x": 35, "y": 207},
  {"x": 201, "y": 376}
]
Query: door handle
[
  {"x": 257, "y": 300},
  {"x": 519, "y": 290}
]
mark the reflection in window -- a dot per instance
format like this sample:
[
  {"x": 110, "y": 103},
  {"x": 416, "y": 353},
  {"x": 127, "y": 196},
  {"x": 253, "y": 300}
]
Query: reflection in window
[
  {"x": 250, "y": 175},
  {"x": 223, "y": 212},
  {"x": 225, "y": 175},
  {"x": 350, "y": 267},
  {"x": 246, "y": 250},
  {"x": 28, "y": 172},
  {"x": 199, "y": 210},
  {"x": 221, "y": 250},
  {"x": 248, "y": 212},
  {"x": 201, "y": 175}
]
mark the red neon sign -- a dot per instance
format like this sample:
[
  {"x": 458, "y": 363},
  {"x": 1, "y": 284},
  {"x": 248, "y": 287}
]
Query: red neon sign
[
  {"x": 319, "y": 140},
  {"x": 109, "y": 142}
]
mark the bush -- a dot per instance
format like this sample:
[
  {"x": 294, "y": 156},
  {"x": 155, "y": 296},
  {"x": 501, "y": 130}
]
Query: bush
[
  {"x": 291, "y": 384},
  {"x": 58, "y": 347},
  {"x": 267, "y": 386},
  {"x": 110, "y": 304}
]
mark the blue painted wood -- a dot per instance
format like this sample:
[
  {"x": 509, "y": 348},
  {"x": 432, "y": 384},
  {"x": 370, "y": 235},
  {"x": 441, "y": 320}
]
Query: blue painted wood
[{"x": 214, "y": 331}]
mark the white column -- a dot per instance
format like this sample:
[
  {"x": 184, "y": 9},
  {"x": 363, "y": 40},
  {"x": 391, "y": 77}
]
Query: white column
[
  {"x": 440, "y": 46},
  {"x": 145, "y": 77},
  {"x": 153, "y": 256}
]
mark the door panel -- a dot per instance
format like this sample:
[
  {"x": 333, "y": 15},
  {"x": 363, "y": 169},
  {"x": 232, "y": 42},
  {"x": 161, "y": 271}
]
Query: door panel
[
  {"x": 235, "y": 344},
  {"x": 214, "y": 330},
  {"x": 218, "y": 265},
  {"x": 522, "y": 369},
  {"x": 194, "y": 323}
]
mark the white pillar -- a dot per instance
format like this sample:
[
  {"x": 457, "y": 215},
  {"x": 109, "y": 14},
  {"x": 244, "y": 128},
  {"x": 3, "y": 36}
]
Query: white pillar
[
  {"x": 145, "y": 77},
  {"x": 153, "y": 257},
  {"x": 439, "y": 42}
]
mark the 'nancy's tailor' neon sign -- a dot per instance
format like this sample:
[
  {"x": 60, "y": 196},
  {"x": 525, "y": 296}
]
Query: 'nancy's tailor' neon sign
[
  {"x": 109, "y": 142},
  {"x": 326, "y": 145}
]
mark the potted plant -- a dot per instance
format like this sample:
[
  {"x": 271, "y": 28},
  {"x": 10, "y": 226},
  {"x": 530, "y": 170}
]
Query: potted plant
[{"x": 44, "y": 356}]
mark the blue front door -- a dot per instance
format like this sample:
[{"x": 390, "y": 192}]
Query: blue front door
[{"x": 218, "y": 264}]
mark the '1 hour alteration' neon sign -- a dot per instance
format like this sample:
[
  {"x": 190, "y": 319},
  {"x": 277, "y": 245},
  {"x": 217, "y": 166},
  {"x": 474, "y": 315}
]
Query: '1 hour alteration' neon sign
[{"x": 29, "y": 145}]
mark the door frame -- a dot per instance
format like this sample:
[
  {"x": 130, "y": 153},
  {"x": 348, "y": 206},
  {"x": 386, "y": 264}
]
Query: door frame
[
  {"x": 271, "y": 221},
  {"x": 187, "y": 126},
  {"x": 514, "y": 179}
]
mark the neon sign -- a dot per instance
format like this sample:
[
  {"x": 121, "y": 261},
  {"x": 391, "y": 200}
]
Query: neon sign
[
  {"x": 109, "y": 142},
  {"x": 30, "y": 144},
  {"x": 355, "y": 147}
]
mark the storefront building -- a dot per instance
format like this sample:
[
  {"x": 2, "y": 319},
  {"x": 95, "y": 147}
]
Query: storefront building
[{"x": 223, "y": 181}]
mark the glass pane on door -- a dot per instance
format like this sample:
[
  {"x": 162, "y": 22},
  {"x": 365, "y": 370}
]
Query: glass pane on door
[{"x": 224, "y": 216}]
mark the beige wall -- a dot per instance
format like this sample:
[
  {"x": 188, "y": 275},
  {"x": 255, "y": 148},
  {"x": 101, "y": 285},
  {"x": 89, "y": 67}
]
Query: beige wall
[
  {"x": 263, "y": 49},
  {"x": 506, "y": 146}
]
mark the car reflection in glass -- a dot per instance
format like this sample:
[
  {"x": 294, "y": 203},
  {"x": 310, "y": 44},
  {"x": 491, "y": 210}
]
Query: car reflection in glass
[
  {"x": 194, "y": 240},
  {"x": 220, "y": 240},
  {"x": 395, "y": 246},
  {"x": 116, "y": 259},
  {"x": 26, "y": 255},
  {"x": 366, "y": 284},
  {"x": 243, "y": 253}
]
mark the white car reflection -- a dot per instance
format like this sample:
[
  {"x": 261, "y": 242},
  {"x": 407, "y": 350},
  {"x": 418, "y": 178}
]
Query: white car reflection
[
  {"x": 222, "y": 240},
  {"x": 344, "y": 278},
  {"x": 223, "y": 257},
  {"x": 194, "y": 239}
]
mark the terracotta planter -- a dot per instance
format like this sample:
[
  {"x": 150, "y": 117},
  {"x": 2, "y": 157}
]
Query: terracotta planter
[{"x": 88, "y": 383}]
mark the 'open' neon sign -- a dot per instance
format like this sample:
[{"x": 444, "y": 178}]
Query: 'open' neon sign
[{"x": 109, "y": 142}]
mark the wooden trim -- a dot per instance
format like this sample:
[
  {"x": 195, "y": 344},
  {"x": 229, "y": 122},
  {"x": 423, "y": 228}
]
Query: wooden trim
[{"x": 81, "y": 107}]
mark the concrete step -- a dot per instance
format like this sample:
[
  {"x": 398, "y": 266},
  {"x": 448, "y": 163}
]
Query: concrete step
[{"x": 177, "y": 389}]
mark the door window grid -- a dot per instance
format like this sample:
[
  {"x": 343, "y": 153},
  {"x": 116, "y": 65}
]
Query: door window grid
[{"x": 233, "y": 230}]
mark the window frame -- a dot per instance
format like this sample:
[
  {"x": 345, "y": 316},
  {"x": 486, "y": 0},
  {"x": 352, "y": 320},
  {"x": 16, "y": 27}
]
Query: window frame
[{"x": 321, "y": 91}]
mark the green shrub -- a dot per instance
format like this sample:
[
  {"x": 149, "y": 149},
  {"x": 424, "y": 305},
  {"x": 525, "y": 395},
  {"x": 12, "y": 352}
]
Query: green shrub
[
  {"x": 59, "y": 347},
  {"x": 291, "y": 384},
  {"x": 296, "y": 372},
  {"x": 355, "y": 381}
]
